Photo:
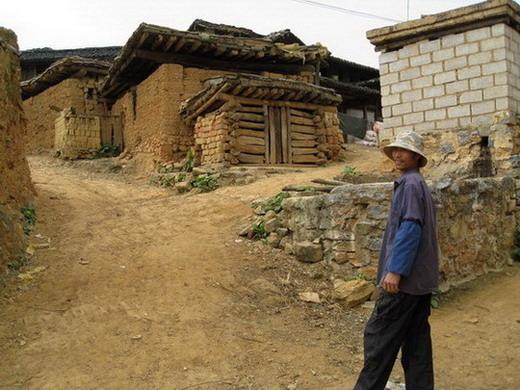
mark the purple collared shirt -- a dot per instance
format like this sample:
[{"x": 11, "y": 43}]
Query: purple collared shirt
[{"x": 412, "y": 201}]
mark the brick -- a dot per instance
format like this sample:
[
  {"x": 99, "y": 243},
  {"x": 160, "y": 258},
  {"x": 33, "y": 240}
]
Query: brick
[
  {"x": 385, "y": 90},
  {"x": 481, "y": 82},
  {"x": 421, "y": 60},
  {"x": 401, "y": 109},
  {"x": 435, "y": 115},
  {"x": 496, "y": 92},
  {"x": 413, "y": 118},
  {"x": 468, "y": 73},
  {"x": 390, "y": 100},
  {"x": 495, "y": 67},
  {"x": 422, "y": 105},
  {"x": 500, "y": 79},
  {"x": 387, "y": 112},
  {"x": 493, "y": 43},
  {"x": 456, "y": 63},
  {"x": 478, "y": 34},
  {"x": 465, "y": 121},
  {"x": 390, "y": 78},
  {"x": 383, "y": 69},
  {"x": 466, "y": 49},
  {"x": 459, "y": 111},
  {"x": 409, "y": 51},
  {"x": 429, "y": 46},
  {"x": 401, "y": 87},
  {"x": 452, "y": 40},
  {"x": 502, "y": 104},
  {"x": 445, "y": 101},
  {"x": 421, "y": 82},
  {"x": 424, "y": 126},
  {"x": 471, "y": 97},
  {"x": 431, "y": 69},
  {"x": 499, "y": 29},
  {"x": 402, "y": 129},
  {"x": 433, "y": 91},
  {"x": 411, "y": 73},
  {"x": 444, "y": 54},
  {"x": 483, "y": 107},
  {"x": 393, "y": 121},
  {"x": 388, "y": 57},
  {"x": 499, "y": 54},
  {"x": 447, "y": 124},
  {"x": 445, "y": 77},
  {"x": 399, "y": 65},
  {"x": 410, "y": 96},
  {"x": 457, "y": 86},
  {"x": 480, "y": 58}
]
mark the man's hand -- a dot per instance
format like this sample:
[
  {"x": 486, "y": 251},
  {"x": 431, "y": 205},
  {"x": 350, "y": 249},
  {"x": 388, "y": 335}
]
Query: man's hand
[{"x": 391, "y": 282}]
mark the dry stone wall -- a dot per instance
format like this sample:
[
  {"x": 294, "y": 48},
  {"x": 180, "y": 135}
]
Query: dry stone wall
[
  {"x": 16, "y": 189},
  {"x": 43, "y": 109},
  {"x": 451, "y": 82},
  {"x": 476, "y": 223}
]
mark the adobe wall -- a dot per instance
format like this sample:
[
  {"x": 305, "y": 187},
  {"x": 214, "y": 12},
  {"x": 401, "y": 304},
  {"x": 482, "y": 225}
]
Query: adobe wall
[
  {"x": 152, "y": 127},
  {"x": 476, "y": 223},
  {"x": 71, "y": 92},
  {"x": 455, "y": 81},
  {"x": 77, "y": 135},
  {"x": 16, "y": 189}
]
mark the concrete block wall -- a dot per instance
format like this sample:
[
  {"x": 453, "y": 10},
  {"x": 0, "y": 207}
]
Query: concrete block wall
[{"x": 451, "y": 82}]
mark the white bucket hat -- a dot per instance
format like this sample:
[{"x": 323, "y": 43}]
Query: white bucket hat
[{"x": 408, "y": 140}]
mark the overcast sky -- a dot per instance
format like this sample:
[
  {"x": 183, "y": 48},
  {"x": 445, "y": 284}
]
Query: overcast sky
[{"x": 63, "y": 24}]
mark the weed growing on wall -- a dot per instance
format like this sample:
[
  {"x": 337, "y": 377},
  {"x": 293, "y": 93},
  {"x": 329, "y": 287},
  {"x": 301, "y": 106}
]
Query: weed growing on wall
[
  {"x": 259, "y": 230},
  {"x": 205, "y": 183},
  {"x": 107, "y": 150},
  {"x": 274, "y": 203},
  {"x": 29, "y": 218},
  {"x": 516, "y": 246}
]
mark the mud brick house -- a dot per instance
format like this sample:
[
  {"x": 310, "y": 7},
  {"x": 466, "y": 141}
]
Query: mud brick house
[
  {"x": 68, "y": 83},
  {"x": 260, "y": 120},
  {"x": 160, "y": 67},
  {"x": 35, "y": 61},
  {"x": 16, "y": 190}
]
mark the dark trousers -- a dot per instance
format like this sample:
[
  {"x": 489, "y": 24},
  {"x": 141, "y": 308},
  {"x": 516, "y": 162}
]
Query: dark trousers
[{"x": 398, "y": 321}]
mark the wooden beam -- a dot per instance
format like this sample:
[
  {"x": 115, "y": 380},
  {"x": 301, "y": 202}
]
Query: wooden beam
[
  {"x": 296, "y": 105},
  {"x": 212, "y": 63}
]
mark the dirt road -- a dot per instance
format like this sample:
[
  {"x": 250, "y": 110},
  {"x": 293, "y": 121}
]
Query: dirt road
[{"x": 147, "y": 290}]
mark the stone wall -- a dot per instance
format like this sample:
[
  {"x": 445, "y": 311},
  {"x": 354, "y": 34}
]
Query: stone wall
[
  {"x": 476, "y": 223},
  {"x": 43, "y": 109},
  {"x": 16, "y": 189},
  {"x": 451, "y": 82}
]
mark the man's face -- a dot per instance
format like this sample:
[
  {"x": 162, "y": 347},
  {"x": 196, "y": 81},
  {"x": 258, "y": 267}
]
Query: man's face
[{"x": 404, "y": 159}]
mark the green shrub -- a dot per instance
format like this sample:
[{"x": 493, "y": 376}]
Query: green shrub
[
  {"x": 435, "y": 301},
  {"x": 350, "y": 171},
  {"x": 205, "y": 183},
  {"x": 188, "y": 163},
  {"x": 516, "y": 246},
  {"x": 29, "y": 218},
  {"x": 18, "y": 263},
  {"x": 274, "y": 203},
  {"x": 259, "y": 230},
  {"x": 107, "y": 150}
]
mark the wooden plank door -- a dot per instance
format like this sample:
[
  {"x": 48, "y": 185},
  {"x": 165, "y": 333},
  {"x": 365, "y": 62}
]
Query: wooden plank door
[{"x": 277, "y": 135}]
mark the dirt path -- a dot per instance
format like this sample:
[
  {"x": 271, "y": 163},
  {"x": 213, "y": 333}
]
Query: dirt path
[{"x": 144, "y": 289}]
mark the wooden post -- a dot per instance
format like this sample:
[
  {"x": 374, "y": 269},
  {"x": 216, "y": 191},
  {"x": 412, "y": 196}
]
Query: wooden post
[
  {"x": 272, "y": 134},
  {"x": 289, "y": 136},
  {"x": 266, "y": 133},
  {"x": 285, "y": 140}
]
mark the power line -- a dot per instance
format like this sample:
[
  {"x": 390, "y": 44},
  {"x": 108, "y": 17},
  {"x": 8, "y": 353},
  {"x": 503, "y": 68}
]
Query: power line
[{"x": 345, "y": 10}]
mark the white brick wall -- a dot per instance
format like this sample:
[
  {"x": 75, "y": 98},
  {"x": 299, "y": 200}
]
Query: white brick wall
[{"x": 452, "y": 81}]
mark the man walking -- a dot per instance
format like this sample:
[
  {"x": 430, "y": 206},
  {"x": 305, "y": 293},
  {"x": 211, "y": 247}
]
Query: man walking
[{"x": 408, "y": 273}]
